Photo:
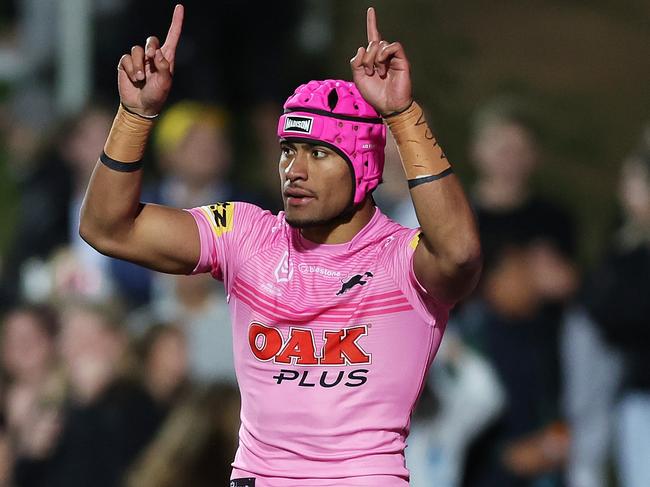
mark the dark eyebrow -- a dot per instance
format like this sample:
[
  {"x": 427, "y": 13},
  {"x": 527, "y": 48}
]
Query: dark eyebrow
[
  {"x": 322, "y": 148},
  {"x": 309, "y": 146},
  {"x": 317, "y": 146},
  {"x": 284, "y": 142}
]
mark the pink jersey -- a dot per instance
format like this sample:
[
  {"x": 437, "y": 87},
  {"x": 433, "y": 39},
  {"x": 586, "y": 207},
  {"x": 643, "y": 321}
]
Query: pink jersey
[{"x": 331, "y": 344}]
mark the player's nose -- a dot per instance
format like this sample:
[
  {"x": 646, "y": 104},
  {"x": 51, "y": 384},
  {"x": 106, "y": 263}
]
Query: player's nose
[{"x": 298, "y": 167}]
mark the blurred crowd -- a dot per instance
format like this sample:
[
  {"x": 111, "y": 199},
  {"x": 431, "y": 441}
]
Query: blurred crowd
[
  {"x": 113, "y": 375},
  {"x": 543, "y": 378}
]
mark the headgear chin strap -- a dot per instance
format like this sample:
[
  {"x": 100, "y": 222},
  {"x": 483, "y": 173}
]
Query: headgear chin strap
[{"x": 333, "y": 113}]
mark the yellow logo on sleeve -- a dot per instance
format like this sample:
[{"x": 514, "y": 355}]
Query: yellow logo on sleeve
[
  {"x": 220, "y": 216},
  {"x": 415, "y": 240}
]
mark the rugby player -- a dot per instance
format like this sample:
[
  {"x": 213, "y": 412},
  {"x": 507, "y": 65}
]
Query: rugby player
[{"x": 337, "y": 311}]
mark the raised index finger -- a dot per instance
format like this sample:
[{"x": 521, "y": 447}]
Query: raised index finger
[
  {"x": 174, "y": 33},
  {"x": 371, "y": 26}
]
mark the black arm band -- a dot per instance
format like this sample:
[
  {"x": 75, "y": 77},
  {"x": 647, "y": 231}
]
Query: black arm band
[
  {"x": 427, "y": 179},
  {"x": 120, "y": 166},
  {"x": 398, "y": 112}
]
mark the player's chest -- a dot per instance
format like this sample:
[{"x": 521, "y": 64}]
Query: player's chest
[{"x": 307, "y": 282}]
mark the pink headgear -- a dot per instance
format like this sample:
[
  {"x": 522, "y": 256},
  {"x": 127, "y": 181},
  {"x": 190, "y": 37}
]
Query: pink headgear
[{"x": 333, "y": 113}]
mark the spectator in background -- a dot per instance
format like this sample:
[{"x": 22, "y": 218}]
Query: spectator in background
[
  {"x": 505, "y": 151},
  {"x": 51, "y": 190},
  {"x": 78, "y": 268},
  {"x": 193, "y": 150},
  {"x": 109, "y": 418},
  {"x": 462, "y": 395},
  {"x": 592, "y": 372},
  {"x": 43, "y": 185},
  {"x": 202, "y": 313},
  {"x": 617, "y": 297},
  {"x": 34, "y": 392},
  {"x": 164, "y": 364},
  {"x": 528, "y": 277},
  {"x": 466, "y": 398},
  {"x": 199, "y": 439},
  {"x": 78, "y": 147}
]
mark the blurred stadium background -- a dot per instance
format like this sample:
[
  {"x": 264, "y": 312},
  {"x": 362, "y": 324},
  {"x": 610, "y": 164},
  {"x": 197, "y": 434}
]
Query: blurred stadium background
[{"x": 99, "y": 357}]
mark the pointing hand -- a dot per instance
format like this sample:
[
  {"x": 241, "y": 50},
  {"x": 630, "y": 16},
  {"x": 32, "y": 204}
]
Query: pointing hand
[
  {"x": 381, "y": 71},
  {"x": 145, "y": 76}
]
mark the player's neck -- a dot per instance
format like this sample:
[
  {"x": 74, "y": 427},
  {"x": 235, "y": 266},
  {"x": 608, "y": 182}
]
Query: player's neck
[{"x": 341, "y": 231}]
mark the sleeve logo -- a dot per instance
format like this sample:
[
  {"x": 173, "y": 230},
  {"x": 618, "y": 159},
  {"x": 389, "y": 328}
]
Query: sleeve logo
[
  {"x": 220, "y": 216},
  {"x": 415, "y": 240}
]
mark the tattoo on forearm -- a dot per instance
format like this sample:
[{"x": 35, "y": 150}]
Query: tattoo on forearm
[{"x": 428, "y": 134}]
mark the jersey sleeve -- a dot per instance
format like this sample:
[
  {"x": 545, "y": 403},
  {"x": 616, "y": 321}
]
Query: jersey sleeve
[
  {"x": 397, "y": 258},
  {"x": 229, "y": 233}
]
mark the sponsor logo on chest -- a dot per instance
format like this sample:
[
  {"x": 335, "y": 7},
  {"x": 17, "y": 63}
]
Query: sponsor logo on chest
[
  {"x": 341, "y": 348},
  {"x": 322, "y": 271}
]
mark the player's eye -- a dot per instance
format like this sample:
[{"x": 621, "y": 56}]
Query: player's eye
[
  {"x": 319, "y": 154},
  {"x": 286, "y": 151}
]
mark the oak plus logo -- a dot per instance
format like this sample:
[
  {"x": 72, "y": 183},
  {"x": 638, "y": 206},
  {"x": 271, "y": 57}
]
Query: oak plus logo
[
  {"x": 341, "y": 348},
  {"x": 301, "y": 125}
]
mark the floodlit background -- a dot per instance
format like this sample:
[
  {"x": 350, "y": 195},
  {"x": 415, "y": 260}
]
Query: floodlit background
[{"x": 542, "y": 106}]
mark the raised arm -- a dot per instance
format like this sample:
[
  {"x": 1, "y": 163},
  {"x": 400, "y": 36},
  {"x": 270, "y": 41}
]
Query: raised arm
[
  {"x": 447, "y": 260},
  {"x": 113, "y": 220}
]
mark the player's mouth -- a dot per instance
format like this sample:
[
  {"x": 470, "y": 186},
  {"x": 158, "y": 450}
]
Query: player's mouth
[{"x": 298, "y": 196}]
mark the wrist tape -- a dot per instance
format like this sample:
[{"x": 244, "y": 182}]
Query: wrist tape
[
  {"x": 421, "y": 155},
  {"x": 127, "y": 139}
]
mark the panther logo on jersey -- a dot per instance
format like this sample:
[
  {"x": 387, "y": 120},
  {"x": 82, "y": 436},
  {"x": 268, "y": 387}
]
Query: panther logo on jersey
[{"x": 353, "y": 281}]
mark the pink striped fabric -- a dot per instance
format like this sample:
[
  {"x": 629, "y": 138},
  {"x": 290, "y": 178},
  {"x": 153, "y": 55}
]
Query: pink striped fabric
[{"x": 331, "y": 342}]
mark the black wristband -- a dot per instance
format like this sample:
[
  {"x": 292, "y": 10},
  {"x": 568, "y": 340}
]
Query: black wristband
[
  {"x": 427, "y": 179},
  {"x": 392, "y": 114},
  {"x": 120, "y": 166}
]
